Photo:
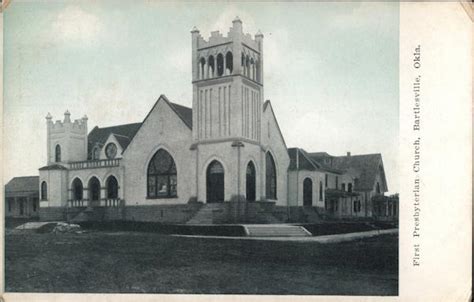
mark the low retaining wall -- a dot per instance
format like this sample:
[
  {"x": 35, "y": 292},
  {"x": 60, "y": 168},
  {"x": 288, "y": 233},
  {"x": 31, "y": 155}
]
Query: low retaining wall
[
  {"x": 52, "y": 213},
  {"x": 179, "y": 213}
]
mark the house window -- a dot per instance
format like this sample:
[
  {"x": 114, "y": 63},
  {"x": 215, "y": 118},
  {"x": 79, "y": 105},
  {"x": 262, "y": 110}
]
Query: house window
[
  {"x": 343, "y": 186},
  {"x": 378, "y": 188},
  {"x": 349, "y": 187},
  {"x": 161, "y": 177},
  {"x": 10, "y": 202},
  {"x": 112, "y": 187},
  {"x": 326, "y": 180},
  {"x": 57, "y": 154},
  {"x": 337, "y": 182},
  {"x": 270, "y": 180},
  {"x": 320, "y": 191},
  {"x": 44, "y": 191}
]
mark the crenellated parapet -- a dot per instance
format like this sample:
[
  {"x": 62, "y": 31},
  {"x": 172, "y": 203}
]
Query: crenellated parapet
[
  {"x": 237, "y": 53},
  {"x": 67, "y": 139}
]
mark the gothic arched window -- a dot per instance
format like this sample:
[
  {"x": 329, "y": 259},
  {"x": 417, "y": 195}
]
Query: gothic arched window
[
  {"x": 112, "y": 187},
  {"x": 44, "y": 191},
  {"x": 57, "y": 153},
  {"x": 161, "y": 176},
  {"x": 229, "y": 63},
  {"x": 202, "y": 64},
  {"x": 211, "y": 66},
  {"x": 270, "y": 177},
  {"x": 220, "y": 64}
]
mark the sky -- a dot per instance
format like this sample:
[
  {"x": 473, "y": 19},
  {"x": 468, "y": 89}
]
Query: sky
[{"x": 331, "y": 69}]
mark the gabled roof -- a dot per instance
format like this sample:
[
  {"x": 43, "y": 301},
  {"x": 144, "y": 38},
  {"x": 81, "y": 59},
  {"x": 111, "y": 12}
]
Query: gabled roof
[
  {"x": 367, "y": 165},
  {"x": 23, "y": 184},
  {"x": 299, "y": 160},
  {"x": 269, "y": 104},
  {"x": 125, "y": 133},
  {"x": 100, "y": 135}
]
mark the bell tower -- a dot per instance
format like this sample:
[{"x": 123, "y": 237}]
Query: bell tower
[{"x": 227, "y": 75}]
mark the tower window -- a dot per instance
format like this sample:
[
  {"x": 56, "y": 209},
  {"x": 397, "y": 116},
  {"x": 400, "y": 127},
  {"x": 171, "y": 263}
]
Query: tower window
[
  {"x": 220, "y": 64},
  {"x": 202, "y": 64},
  {"x": 57, "y": 154},
  {"x": 211, "y": 67},
  {"x": 229, "y": 63}
]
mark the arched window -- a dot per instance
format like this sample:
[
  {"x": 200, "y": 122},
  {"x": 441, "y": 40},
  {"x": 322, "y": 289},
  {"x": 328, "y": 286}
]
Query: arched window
[
  {"x": 96, "y": 153},
  {"x": 161, "y": 177},
  {"x": 211, "y": 66},
  {"x": 57, "y": 154},
  {"x": 377, "y": 188},
  {"x": 44, "y": 191},
  {"x": 220, "y": 64},
  {"x": 112, "y": 187},
  {"x": 252, "y": 69},
  {"x": 257, "y": 71},
  {"x": 247, "y": 66},
  {"x": 320, "y": 191},
  {"x": 77, "y": 189},
  {"x": 202, "y": 64},
  {"x": 270, "y": 177},
  {"x": 229, "y": 63},
  {"x": 250, "y": 182}
]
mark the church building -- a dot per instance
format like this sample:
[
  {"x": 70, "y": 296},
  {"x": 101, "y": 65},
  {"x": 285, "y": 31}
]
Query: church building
[{"x": 224, "y": 160}]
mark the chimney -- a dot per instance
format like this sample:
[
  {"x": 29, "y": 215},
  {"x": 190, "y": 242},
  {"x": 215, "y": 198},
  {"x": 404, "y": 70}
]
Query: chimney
[{"x": 348, "y": 153}]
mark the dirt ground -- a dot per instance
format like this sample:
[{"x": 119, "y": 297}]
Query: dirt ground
[{"x": 107, "y": 262}]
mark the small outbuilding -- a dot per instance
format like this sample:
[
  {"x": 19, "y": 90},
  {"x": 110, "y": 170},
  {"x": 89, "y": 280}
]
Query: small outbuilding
[{"x": 22, "y": 197}]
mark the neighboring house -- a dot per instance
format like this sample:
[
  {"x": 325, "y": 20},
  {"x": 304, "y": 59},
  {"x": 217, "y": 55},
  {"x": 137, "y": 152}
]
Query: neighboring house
[
  {"x": 21, "y": 197},
  {"x": 227, "y": 150}
]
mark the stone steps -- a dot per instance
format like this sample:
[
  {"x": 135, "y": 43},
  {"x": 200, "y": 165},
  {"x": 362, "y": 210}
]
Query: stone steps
[
  {"x": 205, "y": 214},
  {"x": 276, "y": 230}
]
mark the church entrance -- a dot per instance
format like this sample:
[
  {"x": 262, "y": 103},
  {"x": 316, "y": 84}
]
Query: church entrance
[
  {"x": 94, "y": 192},
  {"x": 307, "y": 192},
  {"x": 250, "y": 182},
  {"x": 215, "y": 182}
]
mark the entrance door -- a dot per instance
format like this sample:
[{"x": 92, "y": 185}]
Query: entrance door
[
  {"x": 307, "y": 192},
  {"x": 215, "y": 182},
  {"x": 94, "y": 192},
  {"x": 250, "y": 182}
]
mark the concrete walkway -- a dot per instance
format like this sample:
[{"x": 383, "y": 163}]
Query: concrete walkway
[{"x": 320, "y": 239}]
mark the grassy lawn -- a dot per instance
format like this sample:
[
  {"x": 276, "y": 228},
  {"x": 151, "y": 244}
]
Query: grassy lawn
[{"x": 147, "y": 262}]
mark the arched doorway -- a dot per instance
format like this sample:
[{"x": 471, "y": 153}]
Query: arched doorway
[
  {"x": 215, "y": 182},
  {"x": 307, "y": 192},
  {"x": 77, "y": 189},
  {"x": 250, "y": 182},
  {"x": 112, "y": 187},
  {"x": 94, "y": 191}
]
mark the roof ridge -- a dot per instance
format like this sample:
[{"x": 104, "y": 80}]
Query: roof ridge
[{"x": 117, "y": 125}]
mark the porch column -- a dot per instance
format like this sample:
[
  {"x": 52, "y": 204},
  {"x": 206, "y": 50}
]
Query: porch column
[{"x": 103, "y": 196}]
